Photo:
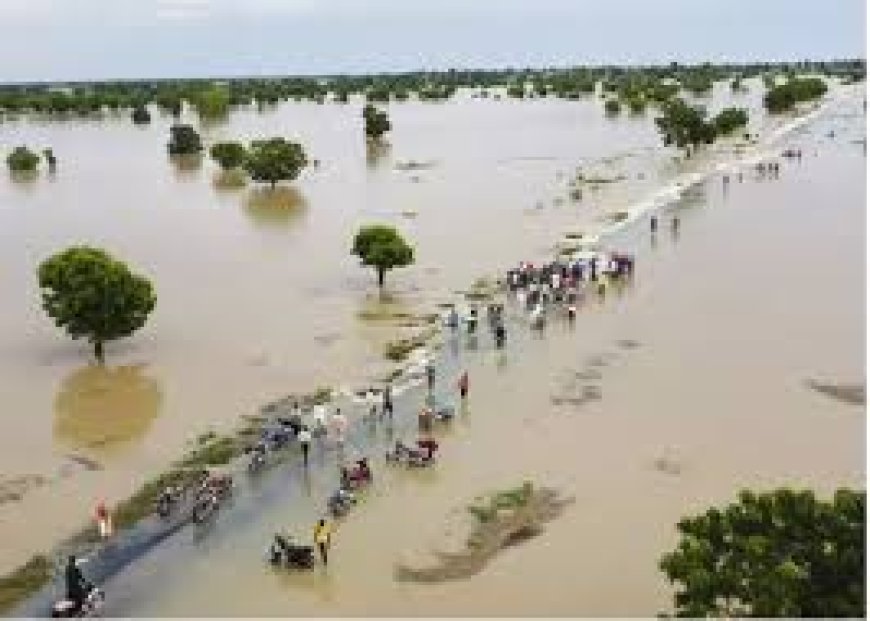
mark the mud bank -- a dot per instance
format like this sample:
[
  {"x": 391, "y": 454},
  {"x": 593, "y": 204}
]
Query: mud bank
[{"x": 500, "y": 521}]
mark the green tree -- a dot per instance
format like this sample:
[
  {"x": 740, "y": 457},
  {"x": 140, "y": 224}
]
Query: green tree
[
  {"x": 228, "y": 155},
  {"x": 611, "y": 106},
  {"x": 184, "y": 140},
  {"x": 91, "y": 295},
  {"x": 774, "y": 554},
  {"x": 684, "y": 125},
  {"x": 22, "y": 160},
  {"x": 212, "y": 102},
  {"x": 140, "y": 115},
  {"x": 383, "y": 248},
  {"x": 730, "y": 120},
  {"x": 784, "y": 97},
  {"x": 376, "y": 122},
  {"x": 274, "y": 160}
]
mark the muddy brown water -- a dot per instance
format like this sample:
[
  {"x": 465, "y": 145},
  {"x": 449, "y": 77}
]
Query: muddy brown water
[{"x": 761, "y": 291}]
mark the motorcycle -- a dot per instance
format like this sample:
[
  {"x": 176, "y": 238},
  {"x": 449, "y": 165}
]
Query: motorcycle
[
  {"x": 423, "y": 455},
  {"x": 168, "y": 500},
  {"x": 340, "y": 502},
  {"x": 90, "y": 607},
  {"x": 258, "y": 460},
  {"x": 357, "y": 476},
  {"x": 284, "y": 553}
]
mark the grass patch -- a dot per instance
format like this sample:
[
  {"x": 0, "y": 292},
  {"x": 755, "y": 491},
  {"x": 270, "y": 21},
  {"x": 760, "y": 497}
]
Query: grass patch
[
  {"x": 321, "y": 396},
  {"x": 141, "y": 504},
  {"x": 206, "y": 437},
  {"x": 486, "y": 509},
  {"x": 218, "y": 452},
  {"x": 24, "y": 581}
]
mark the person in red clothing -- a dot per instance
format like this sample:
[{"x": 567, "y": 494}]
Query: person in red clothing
[
  {"x": 104, "y": 520},
  {"x": 463, "y": 385}
]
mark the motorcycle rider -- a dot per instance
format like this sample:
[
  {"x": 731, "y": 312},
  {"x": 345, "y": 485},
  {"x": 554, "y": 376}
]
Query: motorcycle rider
[{"x": 77, "y": 587}]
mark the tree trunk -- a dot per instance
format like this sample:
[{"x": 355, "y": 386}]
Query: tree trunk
[
  {"x": 98, "y": 352},
  {"x": 381, "y": 273}
]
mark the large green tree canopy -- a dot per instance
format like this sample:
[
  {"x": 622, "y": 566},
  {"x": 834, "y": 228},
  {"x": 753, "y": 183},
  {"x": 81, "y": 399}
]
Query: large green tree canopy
[
  {"x": 22, "y": 160},
  {"x": 376, "y": 122},
  {"x": 184, "y": 140},
  {"x": 274, "y": 160},
  {"x": 91, "y": 295},
  {"x": 228, "y": 155},
  {"x": 776, "y": 554},
  {"x": 383, "y": 248}
]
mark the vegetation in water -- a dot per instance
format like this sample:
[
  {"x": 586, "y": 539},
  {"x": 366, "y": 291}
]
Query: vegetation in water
[
  {"x": 22, "y": 160},
  {"x": 273, "y": 160},
  {"x": 218, "y": 451},
  {"x": 775, "y": 554},
  {"x": 140, "y": 115},
  {"x": 16, "y": 586},
  {"x": 376, "y": 122},
  {"x": 211, "y": 98},
  {"x": 784, "y": 97},
  {"x": 92, "y": 295},
  {"x": 383, "y": 248},
  {"x": 228, "y": 155},
  {"x": 184, "y": 140}
]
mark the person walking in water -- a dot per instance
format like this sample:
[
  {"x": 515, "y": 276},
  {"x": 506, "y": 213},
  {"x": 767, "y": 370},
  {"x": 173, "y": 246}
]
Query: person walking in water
[
  {"x": 104, "y": 520},
  {"x": 653, "y": 224},
  {"x": 304, "y": 438},
  {"x": 388, "y": 400},
  {"x": 463, "y": 385},
  {"x": 430, "y": 376},
  {"x": 322, "y": 539}
]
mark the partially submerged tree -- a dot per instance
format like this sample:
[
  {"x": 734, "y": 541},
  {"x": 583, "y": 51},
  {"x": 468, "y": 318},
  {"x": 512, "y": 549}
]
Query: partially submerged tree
[
  {"x": 22, "y": 160},
  {"x": 212, "y": 102},
  {"x": 612, "y": 107},
  {"x": 274, "y": 160},
  {"x": 730, "y": 120},
  {"x": 784, "y": 97},
  {"x": 91, "y": 295},
  {"x": 684, "y": 126},
  {"x": 776, "y": 554},
  {"x": 376, "y": 122},
  {"x": 383, "y": 248},
  {"x": 228, "y": 155},
  {"x": 184, "y": 140},
  {"x": 50, "y": 159},
  {"x": 140, "y": 115}
]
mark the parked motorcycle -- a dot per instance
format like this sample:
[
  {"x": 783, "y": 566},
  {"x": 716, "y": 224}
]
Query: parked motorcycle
[
  {"x": 284, "y": 553},
  {"x": 90, "y": 607}
]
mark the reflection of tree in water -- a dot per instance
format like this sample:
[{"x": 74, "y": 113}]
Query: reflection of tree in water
[
  {"x": 99, "y": 407},
  {"x": 376, "y": 152},
  {"x": 278, "y": 206},
  {"x": 186, "y": 166}
]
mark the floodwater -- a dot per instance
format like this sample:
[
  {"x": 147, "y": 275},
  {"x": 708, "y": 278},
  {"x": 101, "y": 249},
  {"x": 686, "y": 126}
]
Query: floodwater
[{"x": 257, "y": 297}]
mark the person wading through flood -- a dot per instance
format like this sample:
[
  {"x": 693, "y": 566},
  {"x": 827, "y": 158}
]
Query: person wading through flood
[
  {"x": 463, "y": 385},
  {"x": 388, "y": 400},
  {"x": 304, "y": 438},
  {"x": 322, "y": 538}
]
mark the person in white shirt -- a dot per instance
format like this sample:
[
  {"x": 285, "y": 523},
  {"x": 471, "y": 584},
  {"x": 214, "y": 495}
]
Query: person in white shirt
[
  {"x": 318, "y": 417},
  {"x": 304, "y": 438}
]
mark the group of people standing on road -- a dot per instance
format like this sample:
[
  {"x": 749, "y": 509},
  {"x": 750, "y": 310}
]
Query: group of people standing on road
[{"x": 565, "y": 282}]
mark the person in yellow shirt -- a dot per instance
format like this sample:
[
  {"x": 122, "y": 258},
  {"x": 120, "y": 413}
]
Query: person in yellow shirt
[{"x": 322, "y": 537}]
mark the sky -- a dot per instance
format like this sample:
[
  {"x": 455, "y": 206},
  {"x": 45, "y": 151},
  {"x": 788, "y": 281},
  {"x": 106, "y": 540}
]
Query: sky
[{"x": 108, "y": 39}]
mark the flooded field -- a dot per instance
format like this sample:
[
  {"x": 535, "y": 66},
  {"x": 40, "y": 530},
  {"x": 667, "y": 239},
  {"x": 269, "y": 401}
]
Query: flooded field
[{"x": 701, "y": 366}]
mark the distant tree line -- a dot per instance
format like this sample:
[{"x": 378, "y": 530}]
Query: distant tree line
[{"x": 634, "y": 86}]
